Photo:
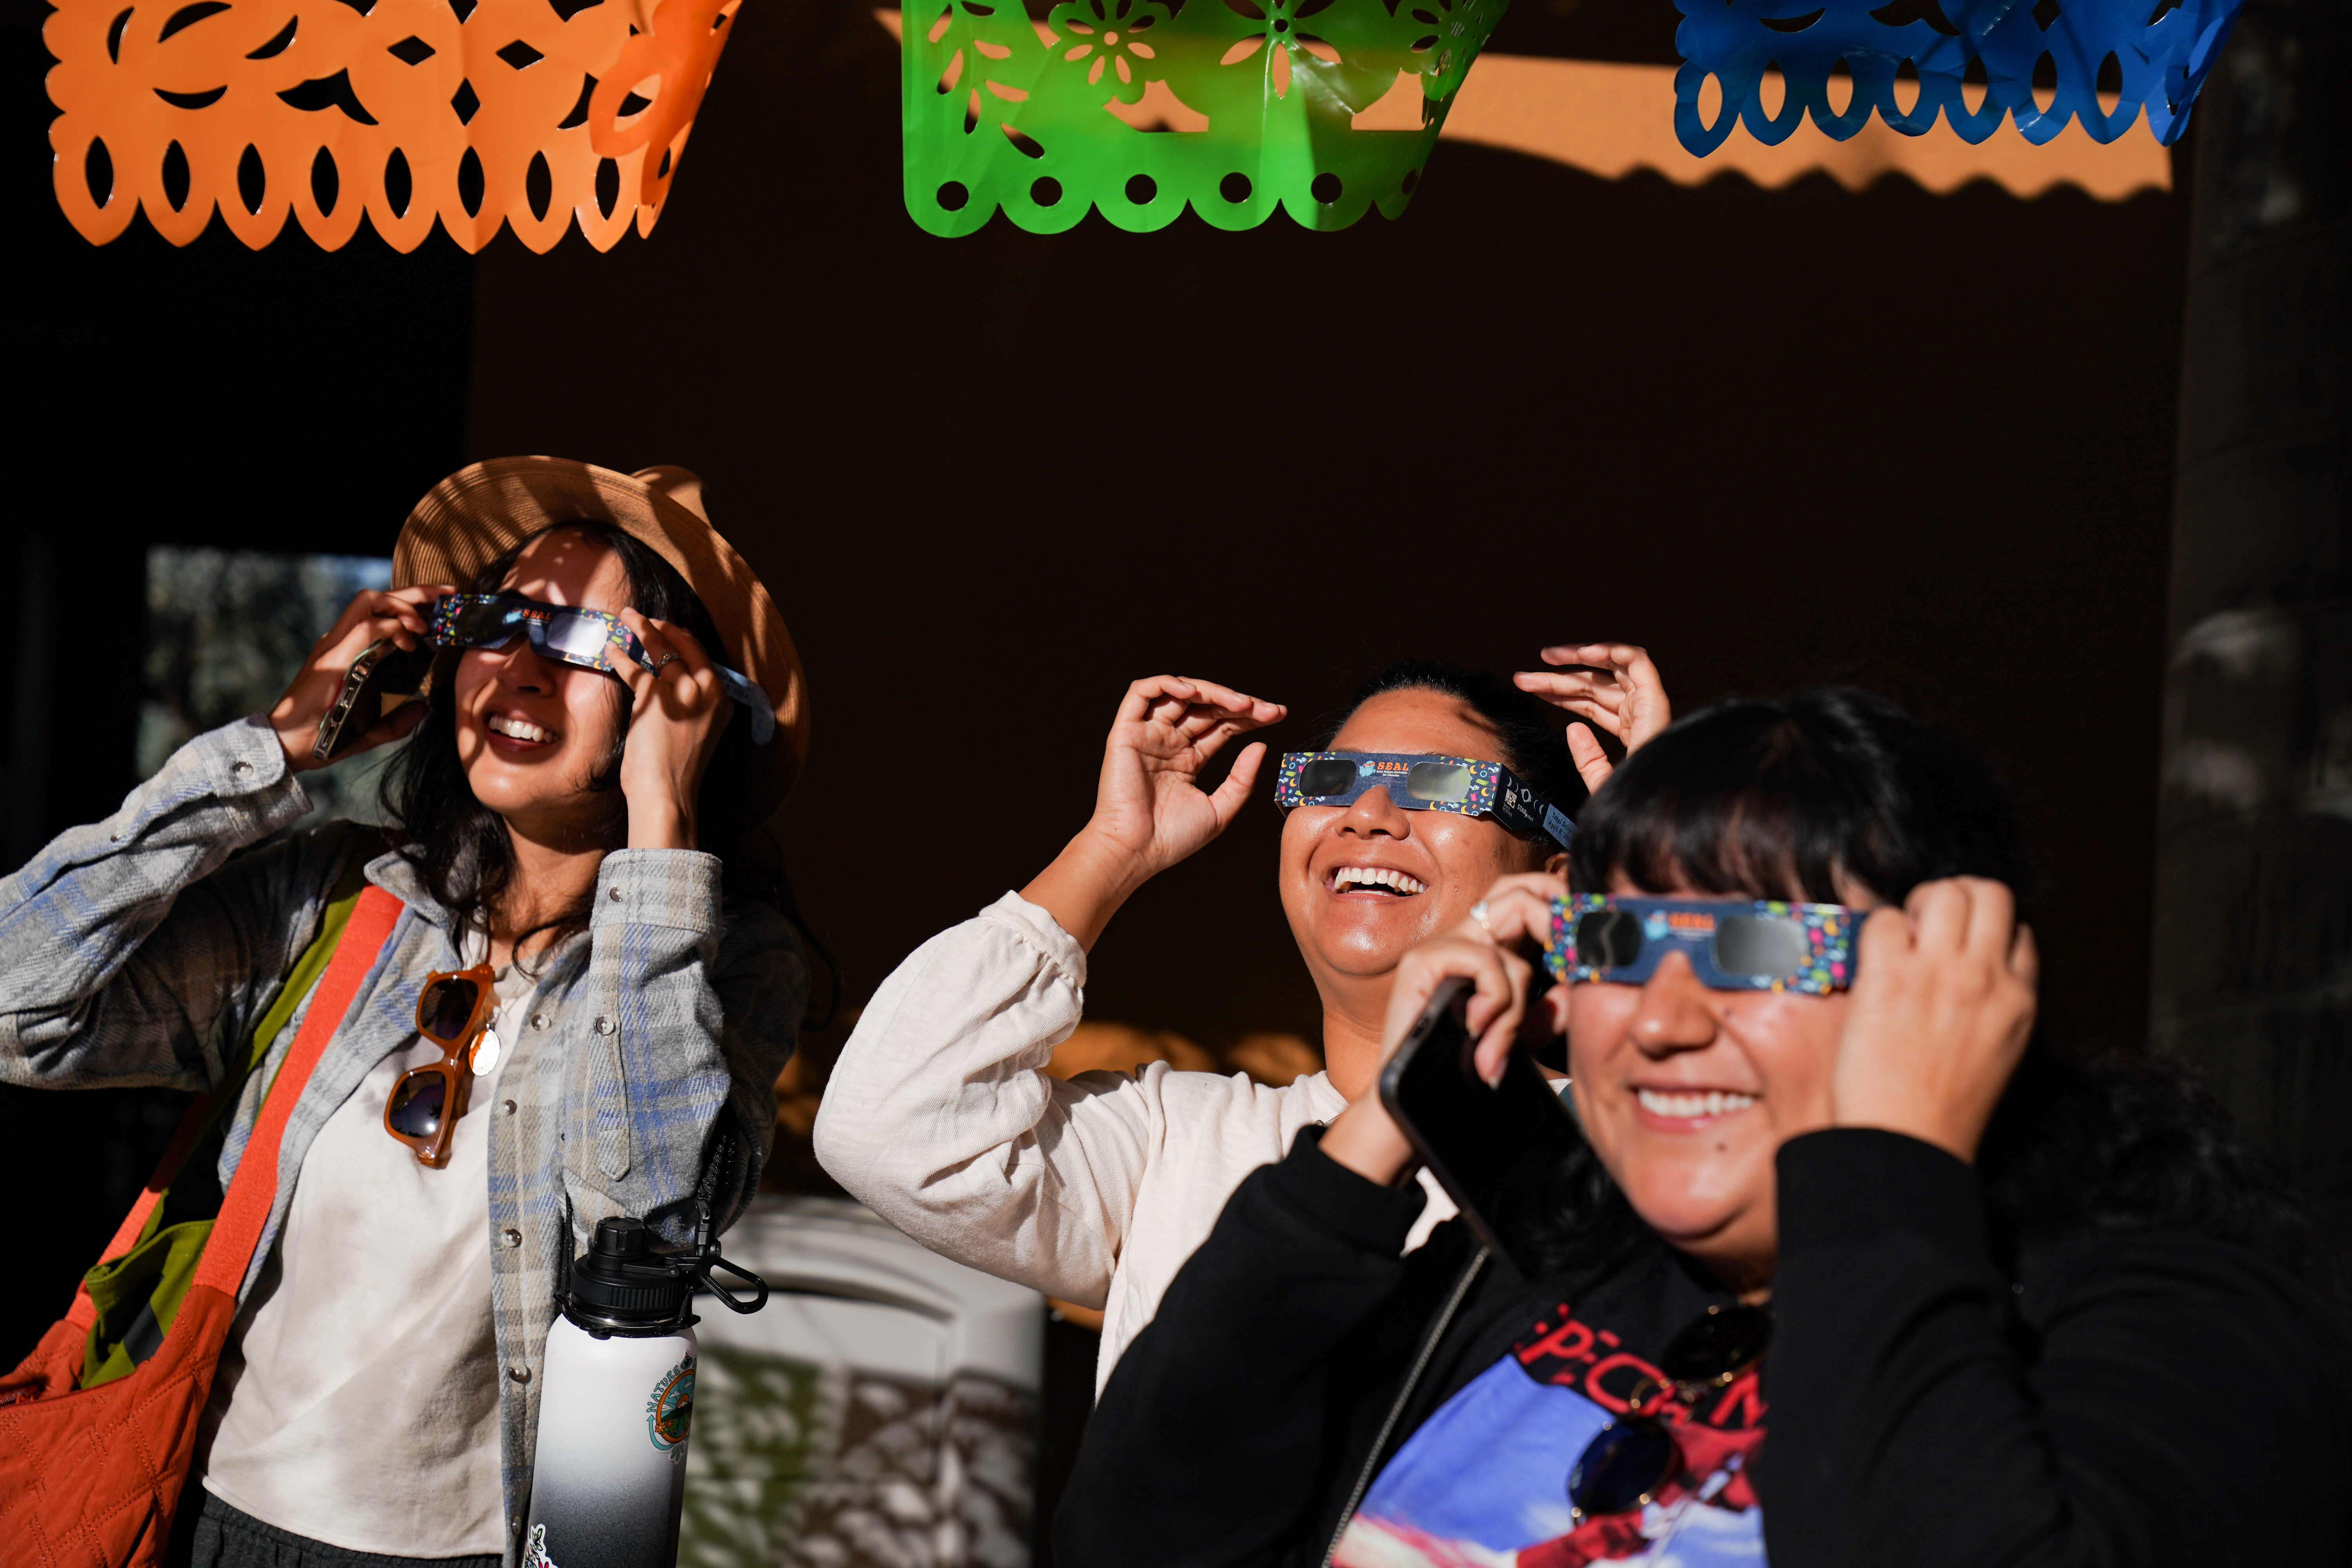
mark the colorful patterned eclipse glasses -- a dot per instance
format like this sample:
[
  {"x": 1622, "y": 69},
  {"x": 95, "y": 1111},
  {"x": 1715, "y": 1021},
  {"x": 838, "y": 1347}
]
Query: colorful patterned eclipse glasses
[
  {"x": 1732, "y": 945},
  {"x": 566, "y": 632},
  {"x": 1420, "y": 781}
]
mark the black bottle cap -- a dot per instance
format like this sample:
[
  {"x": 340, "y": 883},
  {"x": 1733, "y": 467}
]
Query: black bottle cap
[
  {"x": 622, "y": 1286},
  {"x": 622, "y": 1283}
]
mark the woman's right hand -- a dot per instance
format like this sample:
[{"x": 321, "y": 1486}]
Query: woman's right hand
[
  {"x": 1149, "y": 808},
  {"x": 1365, "y": 1138},
  {"x": 372, "y": 616}
]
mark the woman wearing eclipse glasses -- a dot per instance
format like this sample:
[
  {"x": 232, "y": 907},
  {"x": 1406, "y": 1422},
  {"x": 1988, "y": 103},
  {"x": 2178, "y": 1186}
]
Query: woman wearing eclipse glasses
[
  {"x": 939, "y": 1113},
  {"x": 1846, "y": 1266},
  {"x": 562, "y": 994}
]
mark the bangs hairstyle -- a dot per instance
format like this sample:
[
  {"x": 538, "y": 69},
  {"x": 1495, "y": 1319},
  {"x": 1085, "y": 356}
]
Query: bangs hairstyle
[
  {"x": 1786, "y": 799},
  {"x": 1532, "y": 734},
  {"x": 1794, "y": 799},
  {"x": 461, "y": 847}
]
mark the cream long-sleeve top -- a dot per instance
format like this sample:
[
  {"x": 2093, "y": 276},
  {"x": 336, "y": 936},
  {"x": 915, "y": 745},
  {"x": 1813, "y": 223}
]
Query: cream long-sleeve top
[{"x": 940, "y": 1117}]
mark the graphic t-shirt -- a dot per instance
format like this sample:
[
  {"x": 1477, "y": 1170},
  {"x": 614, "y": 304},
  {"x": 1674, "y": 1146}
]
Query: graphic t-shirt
[{"x": 1484, "y": 1482}]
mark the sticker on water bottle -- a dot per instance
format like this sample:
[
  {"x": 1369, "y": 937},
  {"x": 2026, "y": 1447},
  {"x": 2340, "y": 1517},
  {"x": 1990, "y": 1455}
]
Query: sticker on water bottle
[
  {"x": 671, "y": 1406},
  {"x": 535, "y": 1554}
]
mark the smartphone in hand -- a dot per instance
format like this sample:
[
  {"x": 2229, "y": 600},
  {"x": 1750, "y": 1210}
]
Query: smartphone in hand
[
  {"x": 382, "y": 670},
  {"x": 1491, "y": 1149}
]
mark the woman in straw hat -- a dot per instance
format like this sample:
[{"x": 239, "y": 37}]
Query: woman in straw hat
[{"x": 586, "y": 828}]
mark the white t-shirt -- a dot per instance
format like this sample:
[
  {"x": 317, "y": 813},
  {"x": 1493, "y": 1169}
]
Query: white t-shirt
[{"x": 358, "y": 1395}]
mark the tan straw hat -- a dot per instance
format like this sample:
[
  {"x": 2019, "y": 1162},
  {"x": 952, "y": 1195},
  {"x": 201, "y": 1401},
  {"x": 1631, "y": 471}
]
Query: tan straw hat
[{"x": 478, "y": 514}]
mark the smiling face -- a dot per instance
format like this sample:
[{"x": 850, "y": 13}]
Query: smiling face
[
  {"x": 1362, "y": 883},
  {"x": 1686, "y": 1094},
  {"x": 532, "y": 732}
]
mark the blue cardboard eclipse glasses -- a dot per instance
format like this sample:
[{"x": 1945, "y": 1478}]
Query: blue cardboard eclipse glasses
[
  {"x": 1420, "y": 781},
  {"x": 1732, "y": 945}
]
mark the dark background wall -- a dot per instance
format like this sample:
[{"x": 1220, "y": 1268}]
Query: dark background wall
[{"x": 1921, "y": 442}]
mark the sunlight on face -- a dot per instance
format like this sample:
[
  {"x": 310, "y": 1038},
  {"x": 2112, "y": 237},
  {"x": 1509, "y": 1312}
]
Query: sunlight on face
[
  {"x": 1687, "y": 1095},
  {"x": 531, "y": 731},
  {"x": 1442, "y": 862}
]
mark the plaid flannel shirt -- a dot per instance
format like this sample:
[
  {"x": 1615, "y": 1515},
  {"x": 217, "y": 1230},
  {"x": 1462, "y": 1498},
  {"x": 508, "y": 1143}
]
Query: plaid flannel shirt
[{"x": 144, "y": 948}]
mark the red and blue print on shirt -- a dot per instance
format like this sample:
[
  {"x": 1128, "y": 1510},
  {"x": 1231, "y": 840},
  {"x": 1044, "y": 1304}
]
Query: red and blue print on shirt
[{"x": 1484, "y": 1483}]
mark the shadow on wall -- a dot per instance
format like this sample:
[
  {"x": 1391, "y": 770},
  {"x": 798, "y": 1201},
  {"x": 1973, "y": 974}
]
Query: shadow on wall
[{"x": 1072, "y": 1331}]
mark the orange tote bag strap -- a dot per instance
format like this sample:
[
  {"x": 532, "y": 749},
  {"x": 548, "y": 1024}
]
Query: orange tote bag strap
[
  {"x": 253, "y": 1191},
  {"x": 84, "y": 1311},
  {"x": 92, "y": 1478}
]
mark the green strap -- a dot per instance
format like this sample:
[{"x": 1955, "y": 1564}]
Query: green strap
[
  {"x": 137, "y": 1294},
  {"x": 307, "y": 968}
]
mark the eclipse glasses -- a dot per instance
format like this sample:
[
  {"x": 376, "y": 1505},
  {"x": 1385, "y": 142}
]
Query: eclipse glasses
[
  {"x": 1767, "y": 945},
  {"x": 588, "y": 639},
  {"x": 1420, "y": 781}
]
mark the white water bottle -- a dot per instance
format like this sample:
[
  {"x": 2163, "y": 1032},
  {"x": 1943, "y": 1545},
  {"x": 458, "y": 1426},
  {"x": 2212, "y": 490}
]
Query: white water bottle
[{"x": 609, "y": 1481}]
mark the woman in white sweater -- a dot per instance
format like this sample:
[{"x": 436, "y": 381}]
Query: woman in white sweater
[{"x": 940, "y": 1114}]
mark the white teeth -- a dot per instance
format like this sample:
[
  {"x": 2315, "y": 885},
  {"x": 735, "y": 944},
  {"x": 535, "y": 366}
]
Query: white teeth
[
  {"x": 1690, "y": 1106},
  {"x": 1347, "y": 877},
  {"x": 520, "y": 729}
]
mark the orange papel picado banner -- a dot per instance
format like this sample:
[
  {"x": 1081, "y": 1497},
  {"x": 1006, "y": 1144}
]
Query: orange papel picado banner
[{"x": 473, "y": 113}]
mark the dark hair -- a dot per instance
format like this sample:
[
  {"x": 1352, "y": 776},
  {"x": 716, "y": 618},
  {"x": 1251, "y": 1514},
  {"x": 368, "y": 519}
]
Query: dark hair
[
  {"x": 461, "y": 847},
  {"x": 1793, "y": 798},
  {"x": 1530, "y": 733},
  {"x": 1789, "y": 799}
]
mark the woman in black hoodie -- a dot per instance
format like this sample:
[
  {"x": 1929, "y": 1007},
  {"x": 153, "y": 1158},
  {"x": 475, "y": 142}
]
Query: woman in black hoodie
[{"x": 1991, "y": 1305}]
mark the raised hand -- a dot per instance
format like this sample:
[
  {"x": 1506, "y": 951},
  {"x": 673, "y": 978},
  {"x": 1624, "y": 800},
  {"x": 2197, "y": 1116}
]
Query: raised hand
[
  {"x": 1942, "y": 1004},
  {"x": 1149, "y": 808},
  {"x": 1614, "y": 685},
  {"x": 372, "y": 616},
  {"x": 674, "y": 719}
]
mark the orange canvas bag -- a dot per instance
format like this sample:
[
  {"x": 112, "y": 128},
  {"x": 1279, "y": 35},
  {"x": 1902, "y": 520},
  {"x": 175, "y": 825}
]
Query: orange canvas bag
[{"x": 90, "y": 1476}]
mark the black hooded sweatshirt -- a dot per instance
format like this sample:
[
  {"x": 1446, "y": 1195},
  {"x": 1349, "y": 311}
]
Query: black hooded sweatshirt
[{"x": 2102, "y": 1398}]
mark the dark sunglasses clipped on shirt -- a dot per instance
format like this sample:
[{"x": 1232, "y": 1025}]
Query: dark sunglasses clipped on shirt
[
  {"x": 1630, "y": 1460},
  {"x": 1732, "y": 944},
  {"x": 1420, "y": 781},
  {"x": 427, "y": 1102},
  {"x": 591, "y": 639}
]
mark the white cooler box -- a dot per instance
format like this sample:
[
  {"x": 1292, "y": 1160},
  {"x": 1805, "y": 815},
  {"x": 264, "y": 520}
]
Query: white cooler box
[{"x": 880, "y": 1411}]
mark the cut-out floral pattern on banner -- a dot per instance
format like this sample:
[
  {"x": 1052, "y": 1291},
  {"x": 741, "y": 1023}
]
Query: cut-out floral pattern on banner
[
  {"x": 1253, "y": 104},
  {"x": 533, "y": 113},
  {"x": 1973, "y": 61}
]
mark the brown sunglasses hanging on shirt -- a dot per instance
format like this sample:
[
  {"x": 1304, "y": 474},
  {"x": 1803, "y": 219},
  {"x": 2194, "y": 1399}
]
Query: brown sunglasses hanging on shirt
[{"x": 427, "y": 1102}]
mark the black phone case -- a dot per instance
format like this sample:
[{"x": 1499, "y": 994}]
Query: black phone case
[{"x": 1488, "y": 1148}]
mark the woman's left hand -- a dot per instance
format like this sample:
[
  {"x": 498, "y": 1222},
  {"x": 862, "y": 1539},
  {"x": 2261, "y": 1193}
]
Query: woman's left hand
[
  {"x": 1616, "y": 688},
  {"x": 674, "y": 725},
  {"x": 1943, "y": 1002}
]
